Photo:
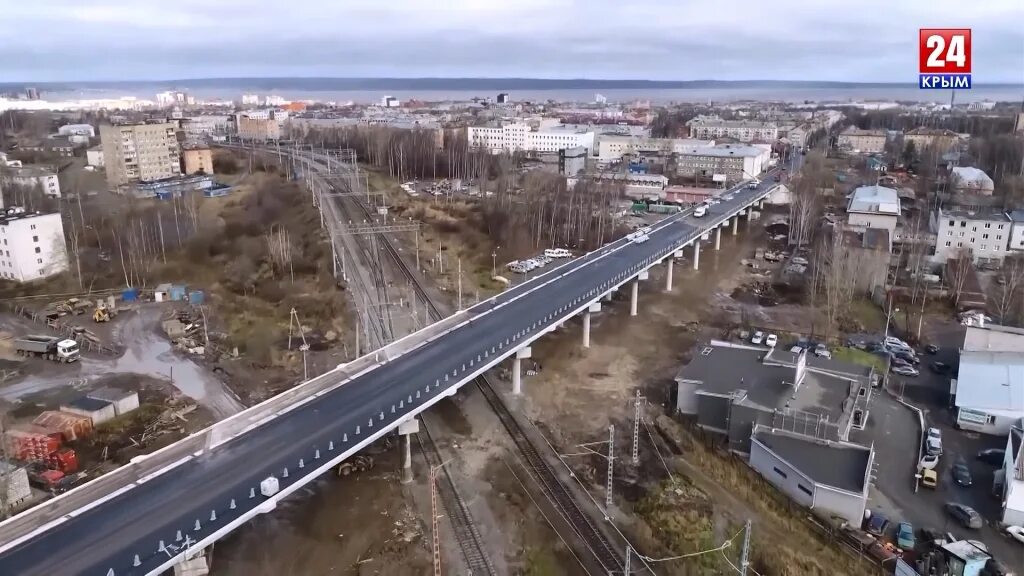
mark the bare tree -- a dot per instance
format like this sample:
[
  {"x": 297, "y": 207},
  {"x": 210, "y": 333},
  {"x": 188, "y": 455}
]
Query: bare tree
[
  {"x": 1011, "y": 280},
  {"x": 957, "y": 270},
  {"x": 279, "y": 246}
]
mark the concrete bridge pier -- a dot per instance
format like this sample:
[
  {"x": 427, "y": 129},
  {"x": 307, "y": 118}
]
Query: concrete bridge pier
[
  {"x": 634, "y": 289},
  {"x": 696, "y": 254},
  {"x": 195, "y": 566},
  {"x": 594, "y": 307},
  {"x": 735, "y": 225},
  {"x": 718, "y": 238},
  {"x": 407, "y": 429},
  {"x": 517, "y": 369},
  {"x": 668, "y": 274}
]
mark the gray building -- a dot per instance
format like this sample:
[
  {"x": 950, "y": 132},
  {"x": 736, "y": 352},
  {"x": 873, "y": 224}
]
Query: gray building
[
  {"x": 829, "y": 477},
  {"x": 730, "y": 388}
]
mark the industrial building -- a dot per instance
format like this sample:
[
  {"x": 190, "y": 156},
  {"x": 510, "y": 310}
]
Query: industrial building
[
  {"x": 518, "y": 136},
  {"x": 140, "y": 152},
  {"x": 612, "y": 147},
  {"x": 32, "y": 245},
  {"x": 259, "y": 125},
  {"x": 729, "y": 162}
]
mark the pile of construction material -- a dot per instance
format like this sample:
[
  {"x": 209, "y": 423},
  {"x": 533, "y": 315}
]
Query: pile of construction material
[{"x": 187, "y": 331}]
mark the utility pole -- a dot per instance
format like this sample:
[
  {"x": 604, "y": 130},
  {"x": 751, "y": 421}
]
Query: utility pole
[
  {"x": 745, "y": 558},
  {"x": 433, "y": 520},
  {"x": 611, "y": 465},
  {"x": 629, "y": 550},
  {"x": 460, "y": 283},
  {"x": 636, "y": 429}
]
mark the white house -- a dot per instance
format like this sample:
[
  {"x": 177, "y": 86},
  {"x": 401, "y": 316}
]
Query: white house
[
  {"x": 971, "y": 180},
  {"x": 31, "y": 176},
  {"x": 989, "y": 388},
  {"x": 1016, "y": 230},
  {"x": 94, "y": 156},
  {"x": 984, "y": 232},
  {"x": 1011, "y": 477},
  {"x": 874, "y": 207},
  {"x": 31, "y": 245}
]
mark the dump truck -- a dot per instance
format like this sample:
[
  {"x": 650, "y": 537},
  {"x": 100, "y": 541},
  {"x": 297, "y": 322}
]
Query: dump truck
[{"x": 50, "y": 347}]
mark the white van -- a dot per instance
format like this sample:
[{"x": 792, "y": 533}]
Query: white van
[{"x": 700, "y": 211}]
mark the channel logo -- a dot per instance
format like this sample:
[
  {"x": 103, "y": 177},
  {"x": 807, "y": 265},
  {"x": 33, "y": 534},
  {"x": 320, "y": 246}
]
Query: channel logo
[{"x": 944, "y": 59}]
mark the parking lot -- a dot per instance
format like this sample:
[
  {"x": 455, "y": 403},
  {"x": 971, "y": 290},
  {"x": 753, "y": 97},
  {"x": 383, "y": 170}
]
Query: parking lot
[{"x": 895, "y": 432}]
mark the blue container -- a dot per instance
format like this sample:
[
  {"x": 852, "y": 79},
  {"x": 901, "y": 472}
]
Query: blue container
[
  {"x": 177, "y": 292},
  {"x": 130, "y": 294},
  {"x": 196, "y": 297}
]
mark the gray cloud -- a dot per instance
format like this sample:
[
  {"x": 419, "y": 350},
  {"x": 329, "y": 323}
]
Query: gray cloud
[{"x": 872, "y": 40}]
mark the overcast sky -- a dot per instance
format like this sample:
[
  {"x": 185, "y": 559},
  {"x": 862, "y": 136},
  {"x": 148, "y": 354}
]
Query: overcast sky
[{"x": 852, "y": 40}]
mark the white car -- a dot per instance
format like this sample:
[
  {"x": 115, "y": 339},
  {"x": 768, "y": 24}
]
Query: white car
[
  {"x": 700, "y": 211},
  {"x": 639, "y": 238},
  {"x": 771, "y": 340},
  {"x": 895, "y": 342},
  {"x": 1016, "y": 532},
  {"x": 757, "y": 338},
  {"x": 930, "y": 461}
]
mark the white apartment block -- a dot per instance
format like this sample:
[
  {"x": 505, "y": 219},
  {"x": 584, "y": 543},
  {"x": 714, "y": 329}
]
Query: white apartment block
[
  {"x": 713, "y": 127},
  {"x": 94, "y": 156},
  {"x": 32, "y": 176},
  {"x": 31, "y": 245},
  {"x": 518, "y": 136},
  {"x": 735, "y": 162},
  {"x": 140, "y": 152},
  {"x": 611, "y": 148},
  {"x": 985, "y": 233},
  {"x": 863, "y": 141},
  {"x": 1016, "y": 231}
]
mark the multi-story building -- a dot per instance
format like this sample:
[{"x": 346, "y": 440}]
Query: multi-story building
[
  {"x": 940, "y": 139},
  {"x": 260, "y": 125},
  {"x": 140, "y": 152},
  {"x": 1016, "y": 231},
  {"x": 43, "y": 177},
  {"x": 874, "y": 207},
  {"x": 984, "y": 232},
  {"x": 31, "y": 245},
  {"x": 731, "y": 161},
  {"x": 520, "y": 136},
  {"x": 863, "y": 141},
  {"x": 198, "y": 160},
  {"x": 611, "y": 148},
  {"x": 971, "y": 180},
  {"x": 250, "y": 99},
  {"x": 94, "y": 156},
  {"x": 201, "y": 128},
  {"x": 712, "y": 127}
]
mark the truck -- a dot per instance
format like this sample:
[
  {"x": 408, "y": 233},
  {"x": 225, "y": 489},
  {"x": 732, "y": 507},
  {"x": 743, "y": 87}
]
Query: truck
[{"x": 50, "y": 347}]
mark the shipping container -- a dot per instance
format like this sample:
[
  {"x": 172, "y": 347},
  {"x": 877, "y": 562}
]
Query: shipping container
[
  {"x": 70, "y": 426},
  {"x": 124, "y": 401},
  {"x": 31, "y": 443},
  {"x": 99, "y": 411},
  {"x": 16, "y": 479}
]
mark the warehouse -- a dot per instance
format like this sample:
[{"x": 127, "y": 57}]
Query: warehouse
[
  {"x": 122, "y": 401},
  {"x": 98, "y": 411}
]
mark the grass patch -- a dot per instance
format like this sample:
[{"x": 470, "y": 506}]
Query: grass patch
[
  {"x": 541, "y": 562},
  {"x": 867, "y": 315},
  {"x": 862, "y": 357}
]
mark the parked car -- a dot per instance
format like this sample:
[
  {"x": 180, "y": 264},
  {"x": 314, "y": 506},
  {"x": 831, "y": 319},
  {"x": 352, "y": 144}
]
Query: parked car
[
  {"x": 895, "y": 342},
  {"x": 965, "y": 515},
  {"x": 771, "y": 340},
  {"x": 1016, "y": 532},
  {"x": 907, "y": 356},
  {"x": 900, "y": 362},
  {"x": 822, "y": 351},
  {"x": 757, "y": 338},
  {"x": 905, "y": 371},
  {"x": 992, "y": 456},
  {"x": 940, "y": 368},
  {"x": 878, "y": 525},
  {"x": 933, "y": 441},
  {"x": 961, "y": 473},
  {"x": 930, "y": 461},
  {"x": 931, "y": 349},
  {"x": 929, "y": 478},
  {"x": 905, "y": 536}
]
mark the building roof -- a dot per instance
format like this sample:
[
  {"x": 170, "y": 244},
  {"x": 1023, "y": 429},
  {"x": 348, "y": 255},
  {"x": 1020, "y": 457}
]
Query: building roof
[
  {"x": 990, "y": 214},
  {"x": 875, "y": 200},
  {"x": 88, "y": 404},
  {"x": 923, "y": 131},
  {"x": 993, "y": 338},
  {"x": 108, "y": 394},
  {"x": 725, "y": 151},
  {"x": 1016, "y": 215},
  {"x": 964, "y": 550},
  {"x": 841, "y": 465},
  {"x": 991, "y": 380},
  {"x": 972, "y": 174},
  {"x": 854, "y": 131},
  {"x": 766, "y": 378},
  {"x": 12, "y": 214}
]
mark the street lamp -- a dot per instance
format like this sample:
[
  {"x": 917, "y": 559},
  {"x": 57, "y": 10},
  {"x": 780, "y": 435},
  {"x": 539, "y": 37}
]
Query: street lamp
[{"x": 888, "y": 317}]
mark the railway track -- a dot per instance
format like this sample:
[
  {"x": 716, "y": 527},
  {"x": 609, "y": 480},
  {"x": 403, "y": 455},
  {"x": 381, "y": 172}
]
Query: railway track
[
  {"x": 603, "y": 551},
  {"x": 474, "y": 552}
]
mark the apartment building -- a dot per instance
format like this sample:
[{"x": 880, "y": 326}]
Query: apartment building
[
  {"x": 198, "y": 160},
  {"x": 874, "y": 207},
  {"x": 42, "y": 176},
  {"x": 863, "y": 141},
  {"x": 931, "y": 137},
  {"x": 712, "y": 127},
  {"x": 971, "y": 180},
  {"x": 734, "y": 162},
  {"x": 31, "y": 245},
  {"x": 523, "y": 137},
  {"x": 611, "y": 148},
  {"x": 140, "y": 152},
  {"x": 984, "y": 232},
  {"x": 200, "y": 128},
  {"x": 260, "y": 125}
]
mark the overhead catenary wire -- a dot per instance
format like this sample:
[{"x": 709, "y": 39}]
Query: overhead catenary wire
[{"x": 721, "y": 548}]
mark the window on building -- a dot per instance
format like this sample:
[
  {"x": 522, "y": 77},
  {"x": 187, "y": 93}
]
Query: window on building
[
  {"x": 984, "y": 236},
  {"x": 38, "y": 249},
  {"x": 35, "y": 238},
  {"x": 781, "y": 473},
  {"x": 804, "y": 490},
  {"x": 32, "y": 227},
  {"x": 948, "y": 243},
  {"x": 39, "y": 260},
  {"x": 963, "y": 223},
  {"x": 984, "y": 247},
  {"x": 974, "y": 229},
  {"x": 962, "y": 234},
  {"x": 959, "y": 244},
  {"x": 999, "y": 236},
  {"x": 1000, "y": 227},
  {"x": 41, "y": 271}
]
